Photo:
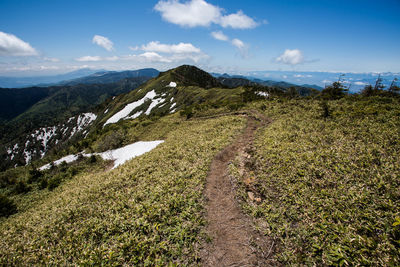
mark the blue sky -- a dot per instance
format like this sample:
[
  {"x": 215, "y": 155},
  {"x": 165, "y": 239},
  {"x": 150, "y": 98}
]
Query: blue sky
[{"x": 55, "y": 36}]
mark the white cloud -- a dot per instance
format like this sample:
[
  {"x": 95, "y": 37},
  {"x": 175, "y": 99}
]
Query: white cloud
[
  {"x": 238, "y": 21},
  {"x": 243, "y": 49},
  {"x": 103, "y": 42},
  {"x": 196, "y": 13},
  {"x": 181, "y": 48},
  {"x": 291, "y": 57},
  {"x": 51, "y": 59},
  {"x": 219, "y": 35},
  {"x": 154, "y": 57},
  {"x": 88, "y": 58},
  {"x": 11, "y": 45},
  {"x": 96, "y": 58},
  {"x": 238, "y": 43}
]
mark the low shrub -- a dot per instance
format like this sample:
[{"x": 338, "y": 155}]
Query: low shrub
[{"x": 7, "y": 206}]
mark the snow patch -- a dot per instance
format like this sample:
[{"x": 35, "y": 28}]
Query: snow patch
[
  {"x": 119, "y": 155},
  {"x": 153, "y": 104},
  {"x": 67, "y": 159},
  {"x": 260, "y": 93},
  {"x": 106, "y": 111},
  {"x": 123, "y": 154},
  {"x": 171, "y": 84},
  {"x": 83, "y": 121},
  {"x": 134, "y": 116},
  {"x": 172, "y": 106},
  {"x": 123, "y": 114}
]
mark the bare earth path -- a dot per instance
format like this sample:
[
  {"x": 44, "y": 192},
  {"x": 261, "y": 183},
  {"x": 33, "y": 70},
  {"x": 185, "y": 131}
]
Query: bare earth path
[{"x": 234, "y": 240}]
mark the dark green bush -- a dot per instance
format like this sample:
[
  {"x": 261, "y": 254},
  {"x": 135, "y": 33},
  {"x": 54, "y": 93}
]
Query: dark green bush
[
  {"x": 112, "y": 141},
  {"x": 21, "y": 188},
  {"x": 43, "y": 183},
  {"x": 7, "y": 206},
  {"x": 92, "y": 159},
  {"x": 54, "y": 182},
  {"x": 33, "y": 175},
  {"x": 187, "y": 112}
]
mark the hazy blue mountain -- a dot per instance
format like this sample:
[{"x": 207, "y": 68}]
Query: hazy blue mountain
[
  {"x": 112, "y": 76},
  {"x": 239, "y": 80},
  {"x": 19, "y": 82}
]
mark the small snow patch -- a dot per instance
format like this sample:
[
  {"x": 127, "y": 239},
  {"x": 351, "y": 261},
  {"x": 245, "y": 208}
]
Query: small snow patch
[
  {"x": 171, "y": 84},
  {"x": 67, "y": 159},
  {"x": 260, "y": 93}
]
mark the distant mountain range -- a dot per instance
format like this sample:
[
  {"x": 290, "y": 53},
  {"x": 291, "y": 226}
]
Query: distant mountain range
[
  {"x": 356, "y": 81},
  {"x": 286, "y": 79},
  {"x": 111, "y": 76},
  {"x": 20, "y": 82}
]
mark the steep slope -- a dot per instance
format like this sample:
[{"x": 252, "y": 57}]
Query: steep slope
[
  {"x": 59, "y": 110},
  {"x": 170, "y": 91},
  {"x": 16, "y": 101}
]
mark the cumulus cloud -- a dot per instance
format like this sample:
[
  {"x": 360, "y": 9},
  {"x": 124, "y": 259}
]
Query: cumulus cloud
[
  {"x": 190, "y": 14},
  {"x": 103, "y": 42},
  {"x": 156, "y": 52},
  {"x": 291, "y": 57},
  {"x": 196, "y": 13},
  {"x": 11, "y": 45},
  {"x": 219, "y": 35},
  {"x": 181, "y": 48},
  {"x": 96, "y": 58},
  {"x": 154, "y": 57},
  {"x": 238, "y": 21}
]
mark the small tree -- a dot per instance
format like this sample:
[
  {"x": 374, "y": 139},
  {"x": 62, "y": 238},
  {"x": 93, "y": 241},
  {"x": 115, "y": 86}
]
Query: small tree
[
  {"x": 378, "y": 85},
  {"x": 368, "y": 90},
  {"x": 393, "y": 87},
  {"x": 334, "y": 91}
]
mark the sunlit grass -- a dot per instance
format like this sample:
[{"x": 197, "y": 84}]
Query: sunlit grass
[
  {"x": 330, "y": 187},
  {"x": 146, "y": 212}
]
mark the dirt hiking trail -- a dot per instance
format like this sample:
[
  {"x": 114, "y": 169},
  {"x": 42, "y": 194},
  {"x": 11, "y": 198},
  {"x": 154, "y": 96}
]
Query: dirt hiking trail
[{"x": 234, "y": 240}]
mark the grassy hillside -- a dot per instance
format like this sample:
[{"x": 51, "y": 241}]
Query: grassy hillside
[
  {"x": 148, "y": 211},
  {"x": 321, "y": 181},
  {"x": 329, "y": 186}
]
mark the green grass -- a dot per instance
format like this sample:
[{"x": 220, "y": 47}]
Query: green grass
[
  {"x": 329, "y": 187},
  {"x": 146, "y": 212}
]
